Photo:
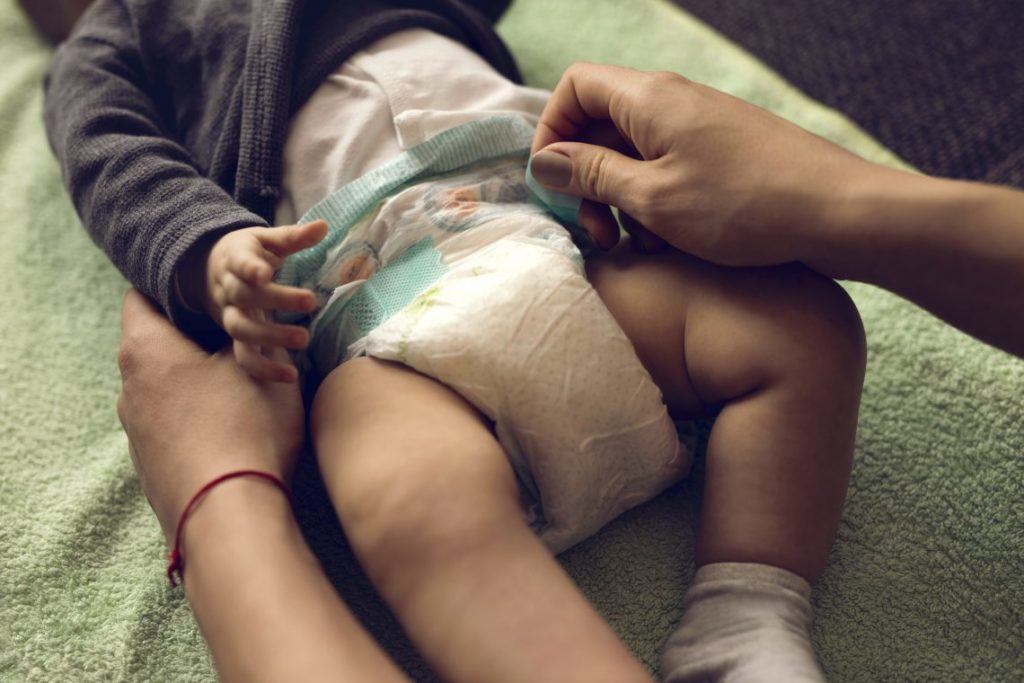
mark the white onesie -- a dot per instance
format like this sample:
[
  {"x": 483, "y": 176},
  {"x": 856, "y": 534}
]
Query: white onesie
[
  {"x": 454, "y": 270},
  {"x": 390, "y": 97}
]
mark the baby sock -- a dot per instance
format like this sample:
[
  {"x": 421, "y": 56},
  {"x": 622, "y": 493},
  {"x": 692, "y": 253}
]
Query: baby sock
[{"x": 744, "y": 622}]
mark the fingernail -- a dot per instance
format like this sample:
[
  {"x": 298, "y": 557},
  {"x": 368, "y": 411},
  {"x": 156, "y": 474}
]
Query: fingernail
[{"x": 551, "y": 168}]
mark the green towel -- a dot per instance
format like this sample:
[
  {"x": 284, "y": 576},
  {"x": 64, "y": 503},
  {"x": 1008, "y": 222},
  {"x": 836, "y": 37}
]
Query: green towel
[{"x": 926, "y": 579}]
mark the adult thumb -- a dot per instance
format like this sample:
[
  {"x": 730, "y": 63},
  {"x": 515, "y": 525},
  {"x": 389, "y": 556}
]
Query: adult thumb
[{"x": 589, "y": 171}]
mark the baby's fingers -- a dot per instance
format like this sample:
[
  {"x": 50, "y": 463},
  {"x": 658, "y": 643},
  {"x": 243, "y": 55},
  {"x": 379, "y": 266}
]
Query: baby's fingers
[
  {"x": 271, "y": 296},
  {"x": 262, "y": 333},
  {"x": 292, "y": 238},
  {"x": 261, "y": 367},
  {"x": 254, "y": 268}
]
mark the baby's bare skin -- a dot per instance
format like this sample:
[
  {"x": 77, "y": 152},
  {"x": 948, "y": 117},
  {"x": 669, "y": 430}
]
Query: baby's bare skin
[
  {"x": 430, "y": 503},
  {"x": 779, "y": 351},
  {"x": 729, "y": 182},
  {"x": 231, "y": 279},
  {"x": 780, "y": 354}
]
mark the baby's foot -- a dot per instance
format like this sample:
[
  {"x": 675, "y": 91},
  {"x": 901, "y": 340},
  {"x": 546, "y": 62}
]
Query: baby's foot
[{"x": 744, "y": 623}]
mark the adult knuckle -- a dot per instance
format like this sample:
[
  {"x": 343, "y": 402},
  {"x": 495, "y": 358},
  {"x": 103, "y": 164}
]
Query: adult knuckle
[
  {"x": 653, "y": 89},
  {"x": 668, "y": 79},
  {"x": 593, "y": 178},
  {"x": 651, "y": 86},
  {"x": 577, "y": 68}
]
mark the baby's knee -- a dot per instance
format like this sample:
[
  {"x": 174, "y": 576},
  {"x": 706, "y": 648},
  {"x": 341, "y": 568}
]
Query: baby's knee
[
  {"x": 817, "y": 331},
  {"x": 783, "y": 326},
  {"x": 419, "y": 518}
]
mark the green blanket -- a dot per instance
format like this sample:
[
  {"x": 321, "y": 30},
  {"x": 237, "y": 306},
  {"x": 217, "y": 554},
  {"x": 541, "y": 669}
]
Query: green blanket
[{"x": 926, "y": 579}]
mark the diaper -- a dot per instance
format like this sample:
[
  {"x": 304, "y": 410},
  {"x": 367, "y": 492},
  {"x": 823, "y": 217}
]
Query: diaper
[{"x": 460, "y": 274}]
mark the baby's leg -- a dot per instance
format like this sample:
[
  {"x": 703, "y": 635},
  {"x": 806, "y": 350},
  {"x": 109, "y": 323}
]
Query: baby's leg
[
  {"x": 781, "y": 352},
  {"x": 430, "y": 505}
]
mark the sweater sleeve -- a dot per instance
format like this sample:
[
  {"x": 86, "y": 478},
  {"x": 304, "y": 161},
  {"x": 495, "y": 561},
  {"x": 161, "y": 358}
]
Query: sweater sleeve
[{"x": 138, "y": 191}]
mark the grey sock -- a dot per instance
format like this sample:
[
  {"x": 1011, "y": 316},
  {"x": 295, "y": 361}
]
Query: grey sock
[{"x": 744, "y": 622}]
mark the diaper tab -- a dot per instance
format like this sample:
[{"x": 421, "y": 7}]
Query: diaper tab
[{"x": 565, "y": 206}]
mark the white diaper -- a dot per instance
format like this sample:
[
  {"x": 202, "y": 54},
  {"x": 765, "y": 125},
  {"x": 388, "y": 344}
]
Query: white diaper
[
  {"x": 518, "y": 331},
  {"x": 438, "y": 257},
  {"x": 462, "y": 276}
]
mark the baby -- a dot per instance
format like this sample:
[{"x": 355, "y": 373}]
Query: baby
[{"x": 486, "y": 388}]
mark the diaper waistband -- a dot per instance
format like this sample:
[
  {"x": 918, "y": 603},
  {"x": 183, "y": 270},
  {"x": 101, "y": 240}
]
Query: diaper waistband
[{"x": 472, "y": 142}]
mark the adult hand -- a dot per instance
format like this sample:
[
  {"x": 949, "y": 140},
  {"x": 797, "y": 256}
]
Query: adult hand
[
  {"x": 736, "y": 185},
  {"x": 709, "y": 173},
  {"x": 191, "y": 416}
]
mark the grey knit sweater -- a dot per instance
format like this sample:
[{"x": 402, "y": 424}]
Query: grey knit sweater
[{"x": 169, "y": 116}]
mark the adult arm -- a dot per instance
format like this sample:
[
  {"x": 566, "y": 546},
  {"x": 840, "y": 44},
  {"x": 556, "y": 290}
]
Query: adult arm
[
  {"x": 734, "y": 184},
  {"x": 954, "y": 248},
  {"x": 263, "y": 605},
  {"x": 136, "y": 188}
]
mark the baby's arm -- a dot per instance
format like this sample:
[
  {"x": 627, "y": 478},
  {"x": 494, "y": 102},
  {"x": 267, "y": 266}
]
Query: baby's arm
[
  {"x": 138, "y": 191},
  {"x": 236, "y": 290}
]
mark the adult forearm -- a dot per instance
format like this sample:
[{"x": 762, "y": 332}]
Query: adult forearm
[
  {"x": 262, "y": 602},
  {"x": 954, "y": 248}
]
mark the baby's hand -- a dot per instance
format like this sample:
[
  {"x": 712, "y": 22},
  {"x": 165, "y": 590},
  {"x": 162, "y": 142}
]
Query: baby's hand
[{"x": 241, "y": 296}]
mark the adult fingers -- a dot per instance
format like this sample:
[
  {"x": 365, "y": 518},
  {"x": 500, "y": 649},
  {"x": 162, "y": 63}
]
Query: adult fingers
[
  {"x": 597, "y": 219},
  {"x": 644, "y": 240},
  {"x": 592, "y": 172},
  {"x": 292, "y": 238},
  {"x": 272, "y": 297},
  {"x": 586, "y": 93},
  {"x": 245, "y": 328},
  {"x": 261, "y": 367},
  {"x": 606, "y": 134}
]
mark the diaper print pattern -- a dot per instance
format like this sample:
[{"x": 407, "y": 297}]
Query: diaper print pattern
[
  {"x": 353, "y": 261},
  {"x": 455, "y": 206}
]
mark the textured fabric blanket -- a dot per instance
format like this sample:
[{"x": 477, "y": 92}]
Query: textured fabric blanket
[{"x": 926, "y": 579}]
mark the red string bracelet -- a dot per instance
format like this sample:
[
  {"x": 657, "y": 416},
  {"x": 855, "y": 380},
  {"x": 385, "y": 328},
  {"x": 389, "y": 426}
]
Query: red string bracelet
[{"x": 176, "y": 562}]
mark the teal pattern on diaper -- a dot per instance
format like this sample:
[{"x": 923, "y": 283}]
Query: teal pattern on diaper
[
  {"x": 565, "y": 206},
  {"x": 488, "y": 138},
  {"x": 351, "y": 307},
  {"x": 385, "y": 293}
]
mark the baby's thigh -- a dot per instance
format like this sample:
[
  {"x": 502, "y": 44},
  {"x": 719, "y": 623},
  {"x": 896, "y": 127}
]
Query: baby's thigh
[
  {"x": 709, "y": 334},
  {"x": 397, "y": 448}
]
